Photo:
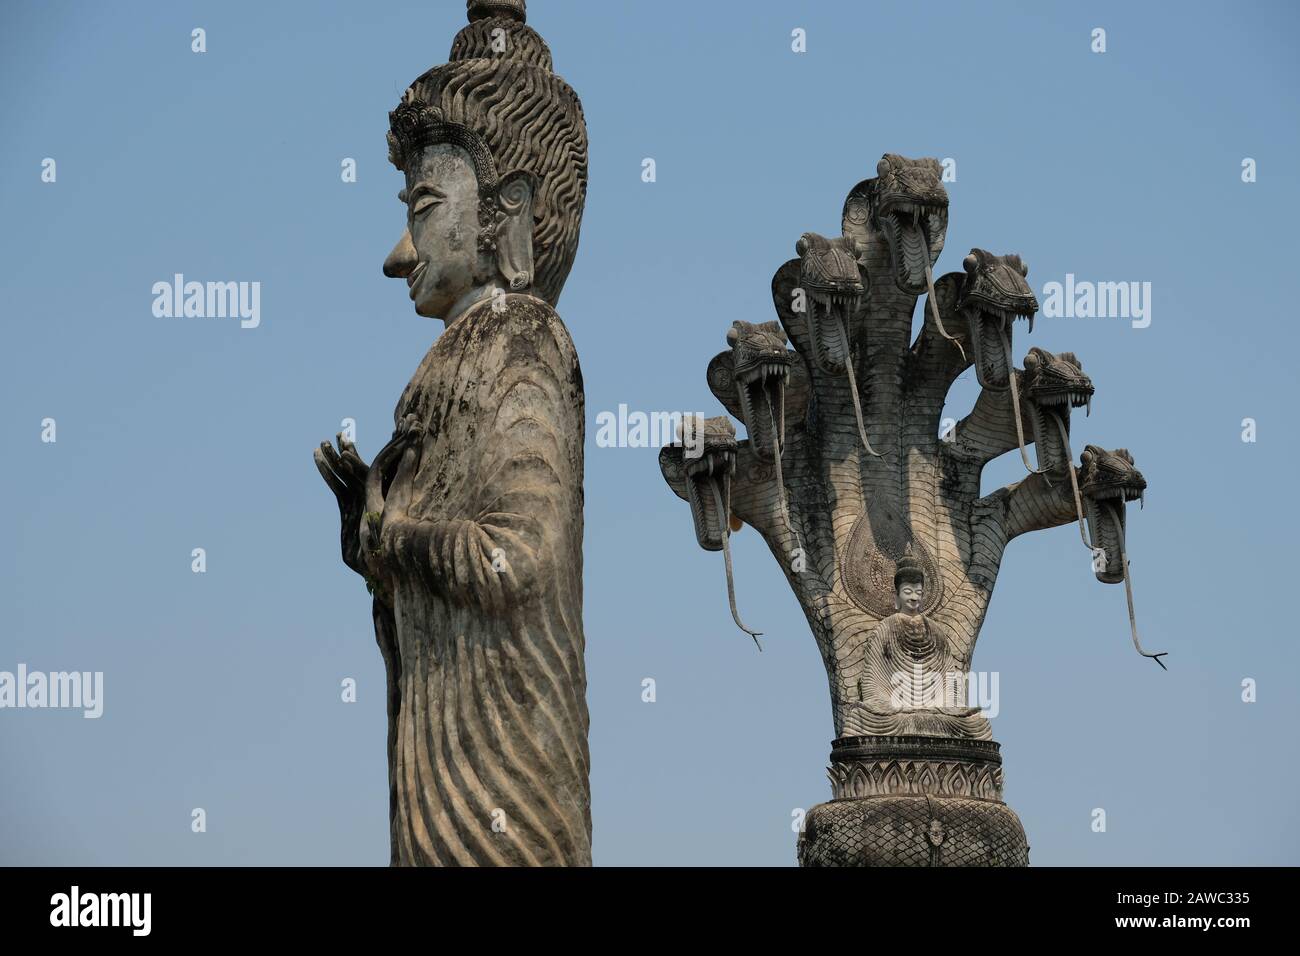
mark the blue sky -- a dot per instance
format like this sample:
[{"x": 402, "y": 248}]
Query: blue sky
[{"x": 222, "y": 688}]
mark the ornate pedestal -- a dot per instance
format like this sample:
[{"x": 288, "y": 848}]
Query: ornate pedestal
[{"x": 914, "y": 801}]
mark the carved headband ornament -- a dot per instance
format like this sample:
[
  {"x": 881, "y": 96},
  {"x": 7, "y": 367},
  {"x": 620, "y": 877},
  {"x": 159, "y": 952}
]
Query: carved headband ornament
[{"x": 415, "y": 125}]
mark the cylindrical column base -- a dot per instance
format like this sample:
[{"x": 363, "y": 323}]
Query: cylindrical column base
[{"x": 914, "y": 801}]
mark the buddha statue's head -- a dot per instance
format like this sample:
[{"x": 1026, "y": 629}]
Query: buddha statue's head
[
  {"x": 909, "y": 585},
  {"x": 494, "y": 149}
]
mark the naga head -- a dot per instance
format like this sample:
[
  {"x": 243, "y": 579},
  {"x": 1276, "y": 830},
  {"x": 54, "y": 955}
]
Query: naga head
[
  {"x": 761, "y": 368},
  {"x": 993, "y": 295},
  {"x": 907, "y": 205},
  {"x": 704, "y": 478},
  {"x": 1053, "y": 384},
  {"x": 833, "y": 289},
  {"x": 1107, "y": 481}
]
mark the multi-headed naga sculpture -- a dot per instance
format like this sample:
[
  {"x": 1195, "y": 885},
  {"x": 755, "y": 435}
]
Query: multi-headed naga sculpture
[
  {"x": 877, "y": 518},
  {"x": 467, "y": 526}
]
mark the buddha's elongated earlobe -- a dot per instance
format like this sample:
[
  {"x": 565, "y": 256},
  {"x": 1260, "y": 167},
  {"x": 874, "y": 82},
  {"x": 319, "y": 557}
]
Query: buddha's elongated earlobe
[{"x": 514, "y": 229}]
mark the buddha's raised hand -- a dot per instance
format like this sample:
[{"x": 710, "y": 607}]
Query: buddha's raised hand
[{"x": 345, "y": 472}]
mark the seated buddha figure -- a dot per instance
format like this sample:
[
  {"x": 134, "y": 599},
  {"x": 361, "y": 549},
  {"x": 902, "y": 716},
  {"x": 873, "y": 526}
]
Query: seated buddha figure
[{"x": 911, "y": 680}]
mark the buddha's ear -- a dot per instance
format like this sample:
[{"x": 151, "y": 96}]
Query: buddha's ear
[{"x": 514, "y": 235}]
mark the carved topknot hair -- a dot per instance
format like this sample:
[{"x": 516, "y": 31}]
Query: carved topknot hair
[
  {"x": 498, "y": 29},
  {"x": 908, "y": 570},
  {"x": 500, "y": 89},
  {"x": 482, "y": 9}
]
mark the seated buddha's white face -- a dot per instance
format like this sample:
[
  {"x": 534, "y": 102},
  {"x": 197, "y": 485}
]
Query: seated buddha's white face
[{"x": 909, "y": 597}]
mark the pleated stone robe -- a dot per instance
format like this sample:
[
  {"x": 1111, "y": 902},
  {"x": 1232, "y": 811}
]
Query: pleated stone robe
[{"x": 484, "y": 643}]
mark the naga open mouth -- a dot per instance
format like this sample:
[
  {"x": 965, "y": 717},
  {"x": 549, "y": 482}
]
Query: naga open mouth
[
  {"x": 991, "y": 330},
  {"x": 1108, "y": 481},
  {"x": 760, "y": 387},
  {"x": 1055, "y": 384},
  {"x": 994, "y": 295},
  {"x": 708, "y": 490},
  {"x": 752, "y": 380},
  {"x": 828, "y": 314},
  {"x": 1051, "y": 433},
  {"x": 708, "y": 482},
  {"x": 914, "y": 231},
  {"x": 907, "y": 204},
  {"x": 833, "y": 288}
]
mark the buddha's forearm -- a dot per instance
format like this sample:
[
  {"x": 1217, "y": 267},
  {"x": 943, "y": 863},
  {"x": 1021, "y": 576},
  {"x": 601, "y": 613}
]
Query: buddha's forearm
[{"x": 492, "y": 566}]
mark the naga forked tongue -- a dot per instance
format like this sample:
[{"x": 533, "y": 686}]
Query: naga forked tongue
[
  {"x": 708, "y": 489},
  {"x": 767, "y": 436},
  {"x": 857, "y": 411},
  {"x": 934, "y": 308},
  {"x": 723, "y": 504},
  {"x": 1128, "y": 586},
  {"x": 1110, "y": 480},
  {"x": 1074, "y": 480},
  {"x": 832, "y": 283},
  {"x": 778, "y": 432},
  {"x": 1059, "y": 416},
  {"x": 1015, "y": 406}
]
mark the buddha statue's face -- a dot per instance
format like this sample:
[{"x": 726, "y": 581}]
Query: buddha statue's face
[
  {"x": 909, "y": 597},
  {"x": 438, "y": 254}
]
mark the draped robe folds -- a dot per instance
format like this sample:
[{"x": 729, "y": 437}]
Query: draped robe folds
[
  {"x": 912, "y": 684},
  {"x": 488, "y": 721}
]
